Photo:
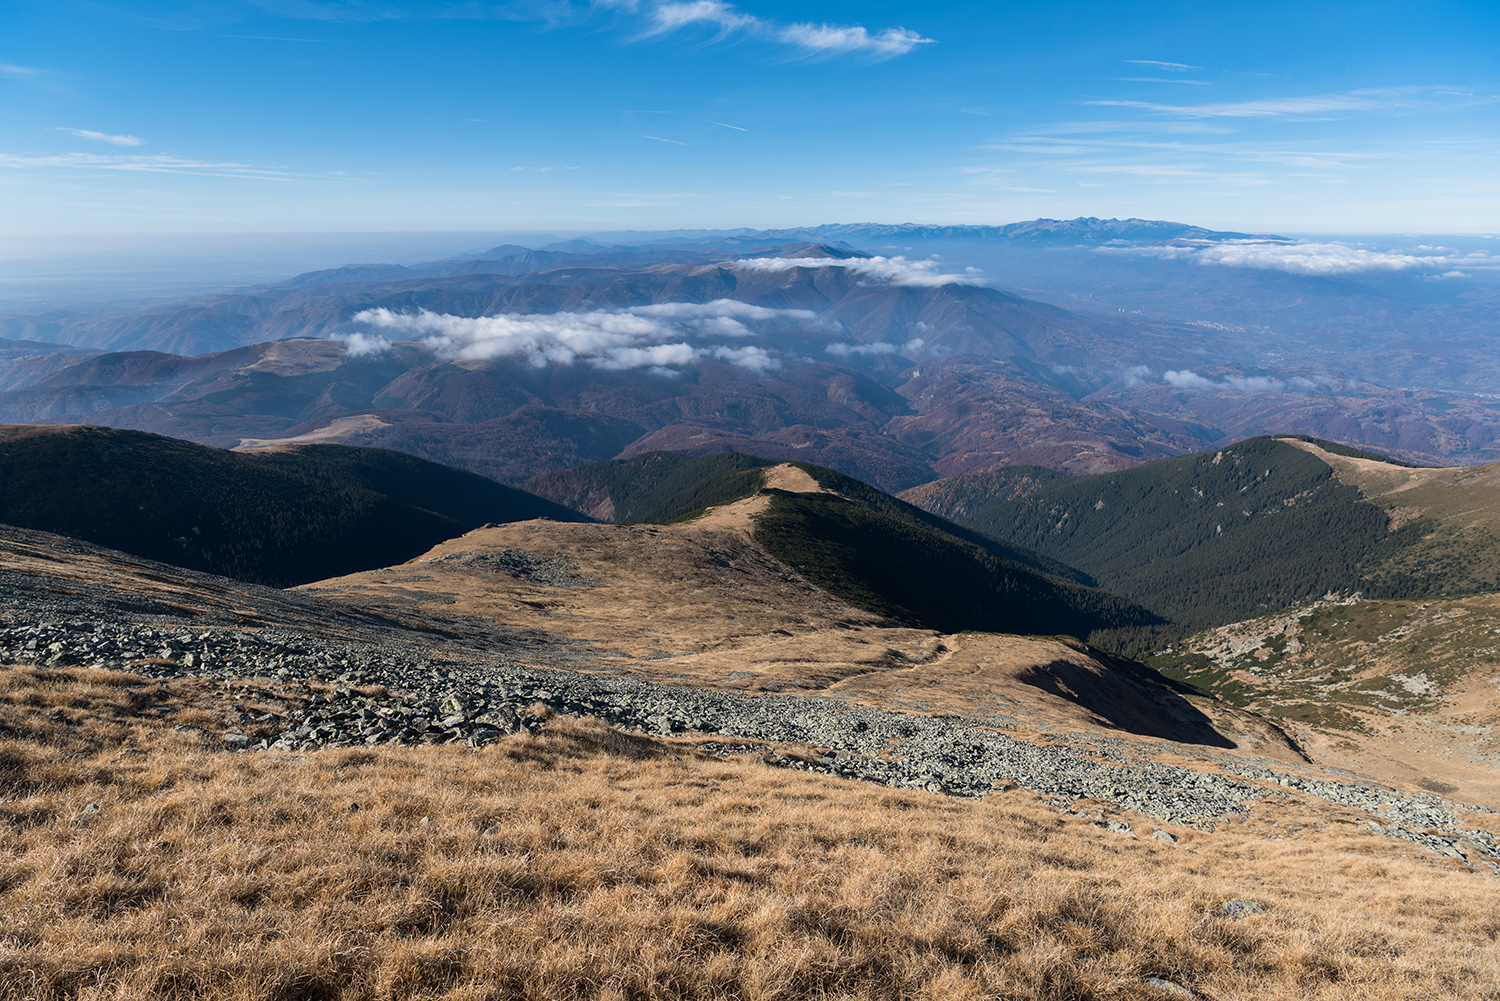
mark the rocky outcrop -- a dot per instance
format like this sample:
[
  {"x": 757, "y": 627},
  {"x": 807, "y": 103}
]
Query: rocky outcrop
[{"x": 398, "y": 694}]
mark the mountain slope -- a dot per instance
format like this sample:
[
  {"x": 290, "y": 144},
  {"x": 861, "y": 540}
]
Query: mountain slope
[
  {"x": 861, "y": 545},
  {"x": 282, "y": 516},
  {"x": 1210, "y": 538},
  {"x": 1460, "y": 553},
  {"x": 922, "y": 576}
]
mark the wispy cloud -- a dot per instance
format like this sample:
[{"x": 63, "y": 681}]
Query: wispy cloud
[
  {"x": 1283, "y": 107},
  {"x": 1167, "y": 67},
  {"x": 138, "y": 164},
  {"x": 1161, "y": 79},
  {"x": 662, "y": 17},
  {"x": 667, "y": 17},
  {"x": 828, "y": 39},
  {"x": 877, "y": 270},
  {"x": 1317, "y": 258},
  {"x": 662, "y": 338},
  {"x": 104, "y": 137},
  {"x": 552, "y": 12},
  {"x": 659, "y": 139},
  {"x": 12, "y": 70},
  {"x": 809, "y": 39}
]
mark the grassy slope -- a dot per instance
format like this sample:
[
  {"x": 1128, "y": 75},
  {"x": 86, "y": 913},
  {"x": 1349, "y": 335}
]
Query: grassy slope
[
  {"x": 1210, "y": 538},
  {"x": 864, "y": 546},
  {"x": 641, "y": 869},
  {"x": 278, "y": 517}
]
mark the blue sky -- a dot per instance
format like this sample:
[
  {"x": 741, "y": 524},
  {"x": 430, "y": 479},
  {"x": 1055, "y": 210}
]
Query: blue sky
[{"x": 378, "y": 115}]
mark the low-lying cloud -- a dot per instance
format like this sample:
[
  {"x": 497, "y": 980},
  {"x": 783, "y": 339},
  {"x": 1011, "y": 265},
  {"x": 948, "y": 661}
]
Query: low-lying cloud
[
  {"x": 873, "y": 270},
  {"x": 363, "y": 345},
  {"x": 846, "y": 350},
  {"x": 1188, "y": 379},
  {"x": 662, "y": 338},
  {"x": 1310, "y": 258},
  {"x": 1314, "y": 259}
]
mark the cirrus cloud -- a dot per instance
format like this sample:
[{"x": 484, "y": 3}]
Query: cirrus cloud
[
  {"x": 104, "y": 137},
  {"x": 655, "y": 19},
  {"x": 811, "y": 40},
  {"x": 136, "y": 163}
]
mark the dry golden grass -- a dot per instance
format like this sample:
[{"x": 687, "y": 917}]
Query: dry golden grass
[{"x": 583, "y": 863}]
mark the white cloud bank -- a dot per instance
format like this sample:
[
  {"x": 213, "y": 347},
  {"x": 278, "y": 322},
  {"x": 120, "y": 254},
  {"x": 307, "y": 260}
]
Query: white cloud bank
[
  {"x": 1310, "y": 258},
  {"x": 875, "y": 270},
  {"x": 1317, "y": 259},
  {"x": 657, "y": 337}
]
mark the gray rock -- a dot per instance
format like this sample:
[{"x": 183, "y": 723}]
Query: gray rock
[{"x": 1242, "y": 908}]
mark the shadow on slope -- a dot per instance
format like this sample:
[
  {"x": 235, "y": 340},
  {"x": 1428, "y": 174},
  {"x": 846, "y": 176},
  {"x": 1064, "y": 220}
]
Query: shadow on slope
[
  {"x": 280, "y": 517},
  {"x": 919, "y": 575},
  {"x": 1128, "y": 697}
]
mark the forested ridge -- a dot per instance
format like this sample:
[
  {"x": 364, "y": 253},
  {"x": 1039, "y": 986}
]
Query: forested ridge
[
  {"x": 1211, "y": 538},
  {"x": 279, "y": 517},
  {"x": 920, "y": 575}
]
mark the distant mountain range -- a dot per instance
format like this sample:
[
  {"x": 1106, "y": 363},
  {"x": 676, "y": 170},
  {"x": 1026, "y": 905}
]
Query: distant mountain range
[
  {"x": 843, "y": 345},
  {"x": 1084, "y": 230}
]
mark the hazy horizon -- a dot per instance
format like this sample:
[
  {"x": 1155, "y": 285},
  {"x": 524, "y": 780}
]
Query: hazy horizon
[{"x": 94, "y": 272}]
